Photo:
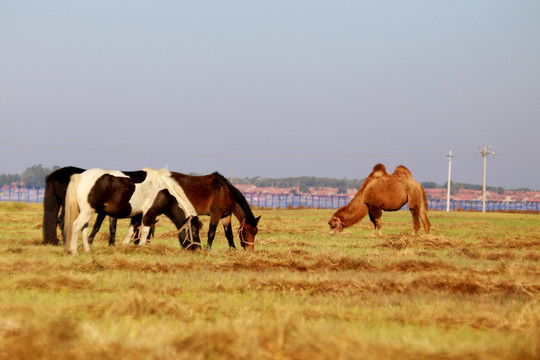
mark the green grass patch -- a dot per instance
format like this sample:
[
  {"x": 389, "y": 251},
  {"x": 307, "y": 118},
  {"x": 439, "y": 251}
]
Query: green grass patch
[{"x": 470, "y": 289}]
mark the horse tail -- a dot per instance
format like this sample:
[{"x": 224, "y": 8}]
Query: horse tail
[
  {"x": 51, "y": 207},
  {"x": 71, "y": 209}
]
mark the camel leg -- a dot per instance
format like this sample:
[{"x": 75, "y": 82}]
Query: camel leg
[
  {"x": 375, "y": 215},
  {"x": 425, "y": 221},
  {"x": 372, "y": 225},
  {"x": 415, "y": 220}
]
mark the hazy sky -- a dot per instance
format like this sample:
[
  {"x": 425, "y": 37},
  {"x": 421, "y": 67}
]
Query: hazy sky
[{"x": 273, "y": 88}]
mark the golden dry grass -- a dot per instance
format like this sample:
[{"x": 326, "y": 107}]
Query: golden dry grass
[{"x": 471, "y": 289}]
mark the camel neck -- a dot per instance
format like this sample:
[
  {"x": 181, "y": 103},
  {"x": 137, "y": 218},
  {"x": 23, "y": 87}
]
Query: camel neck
[{"x": 352, "y": 212}]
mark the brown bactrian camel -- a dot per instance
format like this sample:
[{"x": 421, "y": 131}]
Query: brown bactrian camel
[{"x": 382, "y": 191}]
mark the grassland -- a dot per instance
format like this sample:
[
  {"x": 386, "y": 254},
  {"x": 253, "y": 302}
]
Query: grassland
[{"x": 469, "y": 290}]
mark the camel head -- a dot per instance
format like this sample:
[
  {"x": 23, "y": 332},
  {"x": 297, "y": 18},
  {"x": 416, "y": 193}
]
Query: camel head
[{"x": 336, "y": 225}]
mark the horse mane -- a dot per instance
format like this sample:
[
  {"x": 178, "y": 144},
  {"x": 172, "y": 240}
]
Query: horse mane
[
  {"x": 162, "y": 172},
  {"x": 237, "y": 196},
  {"x": 165, "y": 177}
]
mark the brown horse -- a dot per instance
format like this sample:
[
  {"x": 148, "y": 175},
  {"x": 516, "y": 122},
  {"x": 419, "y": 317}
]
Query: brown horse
[
  {"x": 214, "y": 195},
  {"x": 382, "y": 191}
]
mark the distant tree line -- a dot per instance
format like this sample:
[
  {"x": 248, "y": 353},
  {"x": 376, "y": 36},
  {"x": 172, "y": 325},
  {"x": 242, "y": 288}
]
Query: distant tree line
[
  {"x": 305, "y": 182},
  {"x": 32, "y": 176},
  {"x": 457, "y": 186},
  {"x": 35, "y": 176}
]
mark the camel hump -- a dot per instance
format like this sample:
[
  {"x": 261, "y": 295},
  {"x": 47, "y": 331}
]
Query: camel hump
[
  {"x": 378, "y": 171},
  {"x": 402, "y": 171}
]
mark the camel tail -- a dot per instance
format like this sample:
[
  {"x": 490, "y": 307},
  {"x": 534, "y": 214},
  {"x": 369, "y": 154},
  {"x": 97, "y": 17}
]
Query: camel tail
[
  {"x": 51, "y": 207},
  {"x": 71, "y": 210},
  {"x": 425, "y": 199}
]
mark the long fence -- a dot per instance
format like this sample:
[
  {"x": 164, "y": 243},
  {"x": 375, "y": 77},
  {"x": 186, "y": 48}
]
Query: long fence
[
  {"x": 337, "y": 201},
  {"x": 36, "y": 194},
  {"x": 23, "y": 194}
]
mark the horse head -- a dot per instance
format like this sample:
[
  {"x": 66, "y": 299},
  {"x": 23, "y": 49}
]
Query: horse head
[
  {"x": 247, "y": 232},
  {"x": 336, "y": 225},
  {"x": 189, "y": 234}
]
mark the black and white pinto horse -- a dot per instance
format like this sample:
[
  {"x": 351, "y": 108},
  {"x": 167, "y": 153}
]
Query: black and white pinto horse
[
  {"x": 115, "y": 194},
  {"x": 56, "y": 184}
]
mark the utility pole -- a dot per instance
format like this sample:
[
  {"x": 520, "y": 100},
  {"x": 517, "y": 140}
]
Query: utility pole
[
  {"x": 485, "y": 153},
  {"x": 450, "y": 155}
]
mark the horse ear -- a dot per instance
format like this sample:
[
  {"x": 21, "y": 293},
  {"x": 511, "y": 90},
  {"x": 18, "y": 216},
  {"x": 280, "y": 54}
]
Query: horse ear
[{"x": 257, "y": 219}]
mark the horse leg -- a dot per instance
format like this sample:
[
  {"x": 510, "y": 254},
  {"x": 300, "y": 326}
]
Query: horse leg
[
  {"x": 214, "y": 220},
  {"x": 51, "y": 209},
  {"x": 97, "y": 225},
  {"x": 80, "y": 223},
  {"x": 112, "y": 231},
  {"x": 144, "y": 234},
  {"x": 60, "y": 222},
  {"x": 86, "y": 245},
  {"x": 226, "y": 221},
  {"x": 136, "y": 222},
  {"x": 147, "y": 220},
  {"x": 128, "y": 235}
]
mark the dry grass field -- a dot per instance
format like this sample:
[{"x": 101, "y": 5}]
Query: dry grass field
[{"x": 469, "y": 290}]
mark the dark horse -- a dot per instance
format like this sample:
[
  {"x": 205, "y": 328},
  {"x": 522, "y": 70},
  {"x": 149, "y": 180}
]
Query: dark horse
[
  {"x": 56, "y": 184},
  {"x": 117, "y": 195}
]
